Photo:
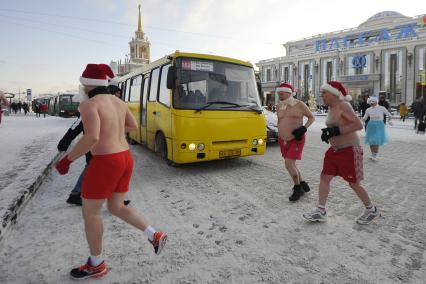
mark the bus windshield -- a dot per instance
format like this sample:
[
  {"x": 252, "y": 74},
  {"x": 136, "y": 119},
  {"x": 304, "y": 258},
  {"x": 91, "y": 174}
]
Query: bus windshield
[
  {"x": 66, "y": 99},
  {"x": 213, "y": 85}
]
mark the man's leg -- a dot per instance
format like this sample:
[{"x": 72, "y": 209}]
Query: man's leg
[
  {"x": 93, "y": 224},
  {"x": 128, "y": 214},
  {"x": 290, "y": 165},
  {"x": 324, "y": 190},
  {"x": 131, "y": 216},
  {"x": 370, "y": 212}
]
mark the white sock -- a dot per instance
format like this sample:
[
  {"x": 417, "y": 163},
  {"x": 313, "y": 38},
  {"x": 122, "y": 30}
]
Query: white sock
[
  {"x": 371, "y": 208},
  {"x": 95, "y": 260},
  {"x": 322, "y": 209},
  {"x": 150, "y": 231}
]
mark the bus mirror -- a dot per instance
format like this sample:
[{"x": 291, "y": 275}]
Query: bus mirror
[{"x": 171, "y": 78}]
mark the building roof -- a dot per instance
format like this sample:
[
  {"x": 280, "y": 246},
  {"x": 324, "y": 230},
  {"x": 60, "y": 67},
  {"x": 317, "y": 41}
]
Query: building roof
[{"x": 385, "y": 17}]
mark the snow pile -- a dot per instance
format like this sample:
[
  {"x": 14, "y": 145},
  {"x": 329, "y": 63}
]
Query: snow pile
[{"x": 28, "y": 146}]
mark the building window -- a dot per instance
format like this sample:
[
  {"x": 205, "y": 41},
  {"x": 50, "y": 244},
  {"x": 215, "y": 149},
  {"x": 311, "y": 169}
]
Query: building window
[
  {"x": 393, "y": 75},
  {"x": 420, "y": 76},
  {"x": 329, "y": 71},
  {"x": 286, "y": 75},
  {"x": 268, "y": 75}
]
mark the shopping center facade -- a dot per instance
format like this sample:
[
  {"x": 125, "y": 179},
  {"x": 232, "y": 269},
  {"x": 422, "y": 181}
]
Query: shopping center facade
[{"x": 385, "y": 53}]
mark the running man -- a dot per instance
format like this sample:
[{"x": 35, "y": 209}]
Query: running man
[
  {"x": 345, "y": 156},
  {"x": 291, "y": 135},
  {"x": 106, "y": 119},
  {"x": 3, "y": 101}
]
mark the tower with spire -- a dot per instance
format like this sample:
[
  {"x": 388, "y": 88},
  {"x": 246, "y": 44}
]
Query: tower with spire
[{"x": 139, "y": 45}]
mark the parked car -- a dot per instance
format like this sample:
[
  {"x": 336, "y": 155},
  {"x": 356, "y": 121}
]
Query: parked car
[{"x": 271, "y": 125}]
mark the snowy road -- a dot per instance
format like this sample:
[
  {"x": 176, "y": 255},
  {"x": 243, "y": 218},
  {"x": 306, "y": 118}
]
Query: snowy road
[{"x": 231, "y": 222}]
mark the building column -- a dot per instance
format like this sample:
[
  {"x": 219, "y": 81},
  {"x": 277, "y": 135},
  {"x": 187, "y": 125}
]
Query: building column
[{"x": 410, "y": 76}]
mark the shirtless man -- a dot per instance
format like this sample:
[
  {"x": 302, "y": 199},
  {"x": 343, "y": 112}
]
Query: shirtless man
[
  {"x": 291, "y": 135},
  {"x": 106, "y": 119},
  {"x": 345, "y": 156},
  {"x": 3, "y": 101}
]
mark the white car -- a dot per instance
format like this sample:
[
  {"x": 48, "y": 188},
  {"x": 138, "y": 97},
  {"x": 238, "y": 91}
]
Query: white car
[{"x": 271, "y": 125}]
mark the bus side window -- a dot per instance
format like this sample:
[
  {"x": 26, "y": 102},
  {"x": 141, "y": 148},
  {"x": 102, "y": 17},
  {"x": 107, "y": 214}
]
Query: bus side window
[
  {"x": 153, "y": 90},
  {"x": 127, "y": 94},
  {"x": 144, "y": 97},
  {"x": 164, "y": 93},
  {"x": 135, "y": 89}
]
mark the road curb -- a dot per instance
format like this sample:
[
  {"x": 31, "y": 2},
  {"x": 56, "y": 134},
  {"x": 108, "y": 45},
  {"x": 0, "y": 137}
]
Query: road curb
[{"x": 19, "y": 203}]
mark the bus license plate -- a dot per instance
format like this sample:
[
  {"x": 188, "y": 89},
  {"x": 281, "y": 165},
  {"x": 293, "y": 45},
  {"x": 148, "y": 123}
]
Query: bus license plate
[{"x": 229, "y": 153}]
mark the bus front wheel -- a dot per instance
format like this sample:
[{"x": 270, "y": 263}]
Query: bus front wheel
[{"x": 161, "y": 149}]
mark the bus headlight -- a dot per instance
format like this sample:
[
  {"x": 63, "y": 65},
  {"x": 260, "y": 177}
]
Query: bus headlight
[
  {"x": 254, "y": 142},
  {"x": 200, "y": 147},
  {"x": 260, "y": 141},
  {"x": 183, "y": 146},
  {"x": 191, "y": 147}
]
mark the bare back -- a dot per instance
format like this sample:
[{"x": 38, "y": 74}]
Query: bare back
[
  {"x": 342, "y": 115},
  {"x": 112, "y": 119}
]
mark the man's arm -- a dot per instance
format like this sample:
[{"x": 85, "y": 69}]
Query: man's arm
[
  {"x": 130, "y": 122},
  {"x": 306, "y": 112},
  {"x": 349, "y": 114},
  {"x": 71, "y": 134},
  {"x": 92, "y": 127}
]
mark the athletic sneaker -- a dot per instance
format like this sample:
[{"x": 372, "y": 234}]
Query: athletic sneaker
[
  {"x": 297, "y": 193},
  {"x": 305, "y": 186},
  {"x": 316, "y": 216},
  {"x": 367, "y": 217},
  {"x": 87, "y": 271},
  {"x": 159, "y": 241},
  {"x": 74, "y": 199}
]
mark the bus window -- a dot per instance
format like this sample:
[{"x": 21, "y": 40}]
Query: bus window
[
  {"x": 135, "y": 89},
  {"x": 144, "y": 97},
  {"x": 126, "y": 96},
  {"x": 164, "y": 94},
  {"x": 154, "y": 85}
]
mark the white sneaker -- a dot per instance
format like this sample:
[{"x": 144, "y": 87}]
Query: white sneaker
[
  {"x": 374, "y": 158},
  {"x": 315, "y": 216},
  {"x": 367, "y": 217}
]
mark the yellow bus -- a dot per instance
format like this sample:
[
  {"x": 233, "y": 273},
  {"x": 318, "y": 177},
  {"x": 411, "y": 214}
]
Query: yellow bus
[{"x": 196, "y": 107}]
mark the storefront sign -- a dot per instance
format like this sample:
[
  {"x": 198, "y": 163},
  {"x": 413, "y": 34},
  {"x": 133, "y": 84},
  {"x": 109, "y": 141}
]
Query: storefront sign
[
  {"x": 366, "y": 38},
  {"x": 357, "y": 78}
]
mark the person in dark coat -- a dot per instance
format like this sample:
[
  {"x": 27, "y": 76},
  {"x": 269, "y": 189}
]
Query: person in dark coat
[
  {"x": 384, "y": 103},
  {"x": 363, "y": 105}
]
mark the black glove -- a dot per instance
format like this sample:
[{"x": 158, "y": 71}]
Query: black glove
[
  {"x": 298, "y": 132},
  {"x": 329, "y": 132}
]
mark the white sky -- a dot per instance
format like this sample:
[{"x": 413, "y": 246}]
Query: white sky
[{"x": 42, "y": 53}]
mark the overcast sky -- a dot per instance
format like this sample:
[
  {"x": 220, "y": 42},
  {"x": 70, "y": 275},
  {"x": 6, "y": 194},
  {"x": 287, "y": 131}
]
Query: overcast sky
[{"x": 46, "y": 46}]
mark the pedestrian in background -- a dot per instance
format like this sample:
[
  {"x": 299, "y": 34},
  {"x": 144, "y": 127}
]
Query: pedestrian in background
[
  {"x": 44, "y": 108},
  {"x": 384, "y": 103},
  {"x": 376, "y": 134},
  {"x": 403, "y": 111},
  {"x": 416, "y": 109}
]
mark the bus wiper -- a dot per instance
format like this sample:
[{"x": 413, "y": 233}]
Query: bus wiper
[
  {"x": 217, "y": 102},
  {"x": 251, "y": 107}
]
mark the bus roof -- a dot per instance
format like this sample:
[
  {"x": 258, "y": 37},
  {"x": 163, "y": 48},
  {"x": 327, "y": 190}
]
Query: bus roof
[{"x": 178, "y": 54}]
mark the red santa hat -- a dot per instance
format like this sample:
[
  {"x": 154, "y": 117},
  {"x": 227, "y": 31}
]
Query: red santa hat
[
  {"x": 112, "y": 80},
  {"x": 337, "y": 89},
  {"x": 93, "y": 75},
  {"x": 286, "y": 88}
]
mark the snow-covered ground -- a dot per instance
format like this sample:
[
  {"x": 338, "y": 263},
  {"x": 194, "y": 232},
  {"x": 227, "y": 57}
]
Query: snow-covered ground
[
  {"x": 27, "y": 146},
  {"x": 231, "y": 222}
]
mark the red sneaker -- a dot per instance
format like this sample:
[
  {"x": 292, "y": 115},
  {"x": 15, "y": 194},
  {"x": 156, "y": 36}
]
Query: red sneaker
[
  {"x": 87, "y": 271},
  {"x": 159, "y": 241}
]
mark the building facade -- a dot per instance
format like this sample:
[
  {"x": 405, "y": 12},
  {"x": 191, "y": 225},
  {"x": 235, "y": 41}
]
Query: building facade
[
  {"x": 140, "y": 52},
  {"x": 385, "y": 53}
]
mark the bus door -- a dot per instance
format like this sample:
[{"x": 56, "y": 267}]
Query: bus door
[
  {"x": 151, "y": 108},
  {"x": 143, "y": 113},
  {"x": 163, "y": 113},
  {"x": 133, "y": 98}
]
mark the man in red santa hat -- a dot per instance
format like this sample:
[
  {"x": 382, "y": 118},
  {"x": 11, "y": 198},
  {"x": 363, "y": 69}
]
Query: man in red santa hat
[
  {"x": 291, "y": 135},
  {"x": 106, "y": 119},
  {"x": 345, "y": 156}
]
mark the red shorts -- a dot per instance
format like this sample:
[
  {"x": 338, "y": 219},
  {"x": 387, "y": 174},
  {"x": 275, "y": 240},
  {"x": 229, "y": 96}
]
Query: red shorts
[
  {"x": 107, "y": 174},
  {"x": 346, "y": 163},
  {"x": 292, "y": 149}
]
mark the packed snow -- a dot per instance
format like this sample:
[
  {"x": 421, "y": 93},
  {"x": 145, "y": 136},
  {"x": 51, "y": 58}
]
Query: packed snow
[{"x": 230, "y": 221}]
